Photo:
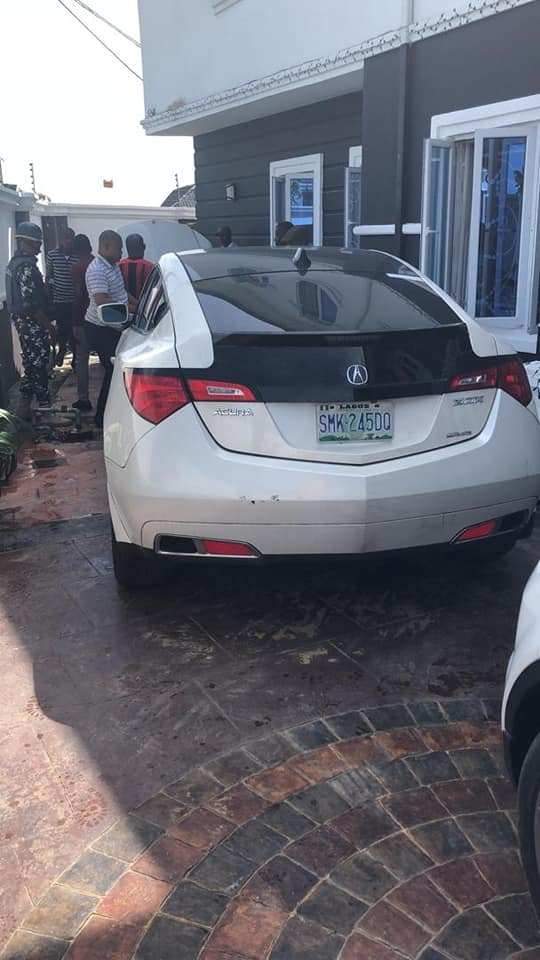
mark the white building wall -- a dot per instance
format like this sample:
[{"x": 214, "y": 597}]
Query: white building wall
[
  {"x": 92, "y": 226},
  {"x": 190, "y": 51},
  {"x": 91, "y": 220},
  {"x": 199, "y": 49}
]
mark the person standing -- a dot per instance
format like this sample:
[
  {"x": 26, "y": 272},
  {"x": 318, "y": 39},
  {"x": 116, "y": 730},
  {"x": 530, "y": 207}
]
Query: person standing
[
  {"x": 27, "y": 306},
  {"x": 135, "y": 269},
  {"x": 82, "y": 250},
  {"x": 282, "y": 229},
  {"x": 224, "y": 238},
  {"x": 105, "y": 284},
  {"x": 60, "y": 282}
]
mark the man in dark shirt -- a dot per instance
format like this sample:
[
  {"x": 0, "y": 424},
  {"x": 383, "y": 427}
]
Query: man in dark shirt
[
  {"x": 135, "y": 269},
  {"x": 224, "y": 238},
  {"x": 60, "y": 283},
  {"x": 82, "y": 249},
  {"x": 27, "y": 306}
]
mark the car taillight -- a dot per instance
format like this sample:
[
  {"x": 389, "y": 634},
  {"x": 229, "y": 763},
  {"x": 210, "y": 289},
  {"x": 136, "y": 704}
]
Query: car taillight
[
  {"x": 219, "y": 390},
  {"x": 513, "y": 378},
  {"x": 477, "y": 532},
  {"x": 154, "y": 396},
  {"x": 508, "y": 375},
  {"x": 226, "y": 548}
]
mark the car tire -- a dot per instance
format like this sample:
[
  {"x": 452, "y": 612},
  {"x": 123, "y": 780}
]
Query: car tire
[
  {"x": 135, "y": 567},
  {"x": 528, "y": 791}
]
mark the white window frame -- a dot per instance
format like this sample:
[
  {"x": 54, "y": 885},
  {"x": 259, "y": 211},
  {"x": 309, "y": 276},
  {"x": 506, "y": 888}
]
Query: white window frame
[
  {"x": 426, "y": 230},
  {"x": 501, "y": 118},
  {"x": 312, "y": 165},
  {"x": 527, "y": 251},
  {"x": 356, "y": 156},
  {"x": 355, "y": 163}
]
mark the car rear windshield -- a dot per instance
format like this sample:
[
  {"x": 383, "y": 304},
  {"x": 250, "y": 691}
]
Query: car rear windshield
[{"x": 320, "y": 302}]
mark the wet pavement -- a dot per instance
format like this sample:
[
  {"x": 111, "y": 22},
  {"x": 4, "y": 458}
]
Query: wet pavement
[{"x": 206, "y": 769}]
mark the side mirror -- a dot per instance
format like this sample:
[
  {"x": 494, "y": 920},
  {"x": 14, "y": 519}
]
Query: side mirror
[{"x": 114, "y": 314}]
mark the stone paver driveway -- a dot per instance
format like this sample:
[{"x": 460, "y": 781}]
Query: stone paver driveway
[
  {"x": 288, "y": 762},
  {"x": 369, "y": 835}
]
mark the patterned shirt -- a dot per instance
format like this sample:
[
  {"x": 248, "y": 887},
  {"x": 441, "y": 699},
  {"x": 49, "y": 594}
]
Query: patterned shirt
[
  {"x": 29, "y": 280},
  {"x": 27, "y": 287},
  {"x": 59, "y": 277},
  {"x": 103, "y": 277}
]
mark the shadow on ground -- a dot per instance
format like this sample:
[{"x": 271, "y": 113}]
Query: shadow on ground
[{"x": 106, "y": 697}]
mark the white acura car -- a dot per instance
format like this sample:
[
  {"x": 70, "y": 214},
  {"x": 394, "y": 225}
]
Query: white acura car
[{"x": 267, "y": 403}]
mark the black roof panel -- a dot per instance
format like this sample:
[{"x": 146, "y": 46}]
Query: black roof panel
[{"x": 209, "y": 264}]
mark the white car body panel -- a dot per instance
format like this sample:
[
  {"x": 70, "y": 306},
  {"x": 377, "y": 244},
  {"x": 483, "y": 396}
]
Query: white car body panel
[
  {"x": 193, "y": 338},
  {"x": 153, "y": 350},
  {"x": 527, "y": 645},
  {"x": 288, "y": 430},
  {"x": 439, "y": 492},
  {"x": 264, "y": 479}
]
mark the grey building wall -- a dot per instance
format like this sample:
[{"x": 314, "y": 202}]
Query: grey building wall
[
  {"x": 242, "y": 154},
  {"x": 385, "y": 92},
  {"x": 493, "y": 59},
  {"x": 489, "y": 60}
]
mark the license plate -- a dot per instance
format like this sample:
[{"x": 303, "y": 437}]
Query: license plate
[{"x": 346, "y": 422}]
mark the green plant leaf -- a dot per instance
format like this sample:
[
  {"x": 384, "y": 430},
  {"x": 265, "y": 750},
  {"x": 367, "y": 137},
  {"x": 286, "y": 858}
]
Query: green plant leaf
[{"x": 10, "y": 428}]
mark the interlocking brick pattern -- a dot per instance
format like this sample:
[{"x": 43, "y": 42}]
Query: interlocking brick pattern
[{"x": 378, "y": 835}]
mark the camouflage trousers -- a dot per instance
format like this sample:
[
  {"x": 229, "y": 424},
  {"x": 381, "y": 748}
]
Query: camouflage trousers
[{"x": 35, "y": 349}]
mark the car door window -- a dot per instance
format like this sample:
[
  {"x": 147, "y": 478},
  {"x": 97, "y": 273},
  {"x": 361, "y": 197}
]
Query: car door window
[
  {"x": 149, "y": 295},
  {"x": 157, "y": 309}
]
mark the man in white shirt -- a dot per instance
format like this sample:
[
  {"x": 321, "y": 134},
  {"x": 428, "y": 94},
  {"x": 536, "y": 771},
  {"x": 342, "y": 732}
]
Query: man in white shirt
[{"x": 105, "y": 284}]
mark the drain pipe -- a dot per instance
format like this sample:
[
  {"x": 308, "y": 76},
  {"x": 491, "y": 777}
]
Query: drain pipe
[{"x": 407, "y": 18}]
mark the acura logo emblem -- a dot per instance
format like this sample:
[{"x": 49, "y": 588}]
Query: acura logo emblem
[{"x": 358, "y": 375}]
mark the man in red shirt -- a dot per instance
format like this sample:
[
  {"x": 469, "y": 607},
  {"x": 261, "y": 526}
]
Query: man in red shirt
[{"x": 135, "y": 269}]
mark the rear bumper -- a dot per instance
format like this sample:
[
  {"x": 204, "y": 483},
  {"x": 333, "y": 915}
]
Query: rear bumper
[
  {"x": 285, "y": 507},
  {"x": 290, "y": 539}
]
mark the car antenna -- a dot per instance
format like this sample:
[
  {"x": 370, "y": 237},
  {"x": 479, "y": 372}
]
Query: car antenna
[{"x": 301, "y": 261}]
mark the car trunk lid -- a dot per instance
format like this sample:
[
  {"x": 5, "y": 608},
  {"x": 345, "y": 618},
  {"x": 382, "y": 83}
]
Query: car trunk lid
[{"x": 340, "y": 371}]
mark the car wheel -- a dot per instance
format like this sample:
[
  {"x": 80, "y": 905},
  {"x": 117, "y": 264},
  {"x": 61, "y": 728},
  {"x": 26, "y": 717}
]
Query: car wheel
[
  {"x": 529, "y": 819},
  {"x": 135, "y": 567}
]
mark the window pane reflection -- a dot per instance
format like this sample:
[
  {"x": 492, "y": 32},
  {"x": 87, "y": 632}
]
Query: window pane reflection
[
  {"x": 302, "y": 201},
  {"x": 503, "y": 169}
]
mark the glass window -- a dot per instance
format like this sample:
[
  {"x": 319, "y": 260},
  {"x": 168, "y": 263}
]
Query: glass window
[
  {"x": 324, "y": 302},
  {"x": 157, "y": 310},
  {"x": 461, "y": 204},
  {"x": 296, "y": 186},
  {"x": 301, "y": 199},
  {"x": 501, "y": 207},
  {"x": 152, "y": 305}
]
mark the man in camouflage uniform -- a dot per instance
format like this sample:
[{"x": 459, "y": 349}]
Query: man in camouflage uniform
[{"x": 27, "y": 306}]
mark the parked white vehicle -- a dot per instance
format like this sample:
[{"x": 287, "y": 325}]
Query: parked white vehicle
[
  {"x": 266, "y": 403},
  {"x": 521, "y": 728},
  {"x": 161, "y": 236}
]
